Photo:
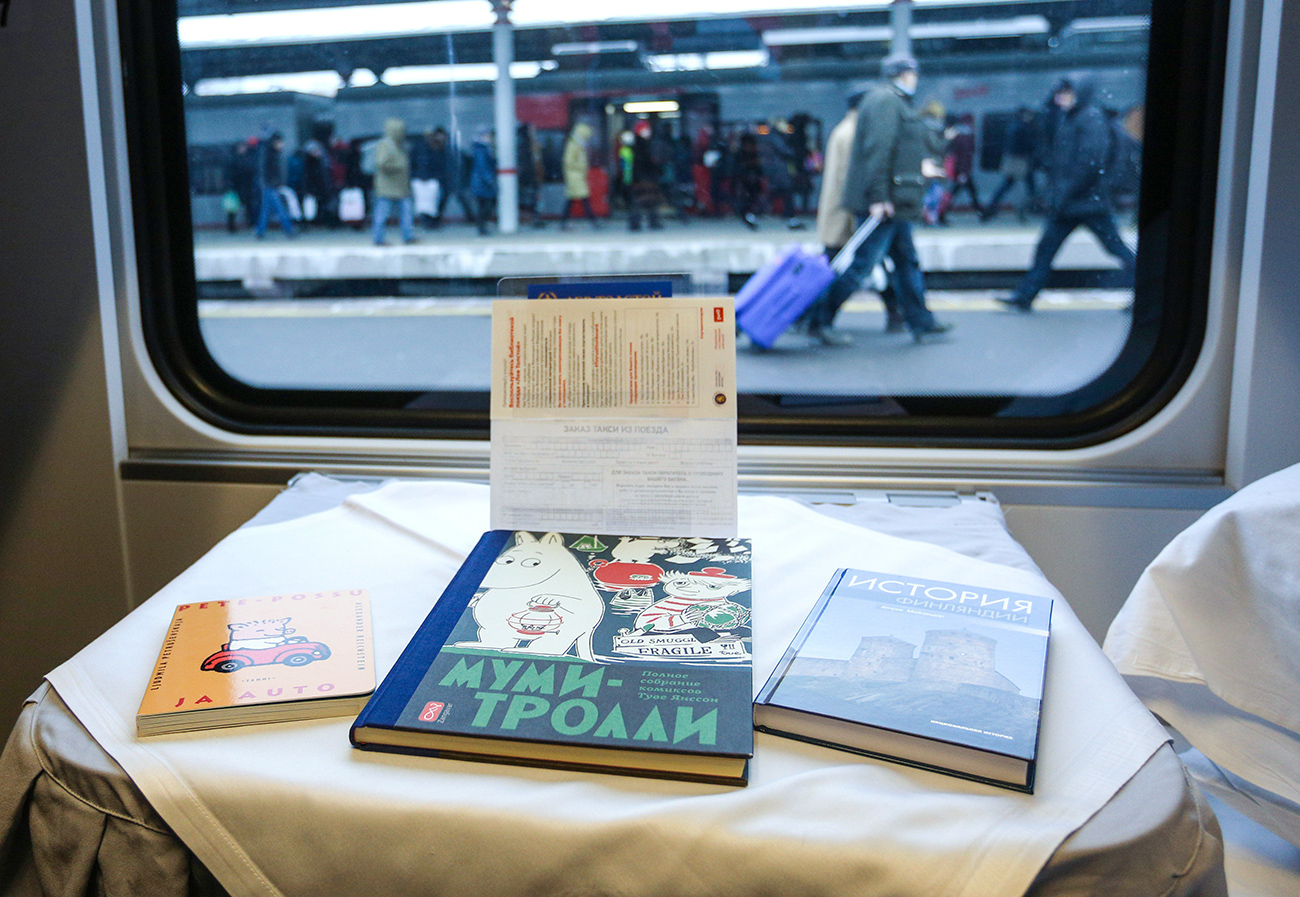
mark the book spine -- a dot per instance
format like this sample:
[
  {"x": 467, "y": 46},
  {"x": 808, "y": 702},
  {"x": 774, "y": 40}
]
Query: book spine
[
  {"x": 797, "y": 642},
  {"x": 395, "y": 691},
  {"x": 165, "y": 653}
]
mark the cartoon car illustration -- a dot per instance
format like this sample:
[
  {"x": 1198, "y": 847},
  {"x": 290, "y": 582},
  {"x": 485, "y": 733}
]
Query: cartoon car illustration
[{"x": 297, "y": 652}]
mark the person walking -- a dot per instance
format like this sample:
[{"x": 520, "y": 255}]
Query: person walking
[
  {"x": 529, "y": 165},
  {"x": 576, "y": 163},
  {"x": 961, "y": 152},
  {"x": 1078, "y": 190},
  {"x": 483, "y": 179},
  {"x": 647, "y": 170},
  {"x": 453, "y": 167},
  {"x": 319, "y": 205},
  {"x": 747, "y": 179},
  {"x": 835, "y": 226},
  {"x": 886, "y": 181},
  {"x": 242, "y": 177},
  {"x": 804, "y": 164},
  {"x": 775, "y": 157},
  {"x": 935, "y": 118},
  {"x": 1017, "y": 165},
  {"x": 428, "y": 164},
  {"x": 393, "y": 182},
  {"x": 270, "y": 177}
]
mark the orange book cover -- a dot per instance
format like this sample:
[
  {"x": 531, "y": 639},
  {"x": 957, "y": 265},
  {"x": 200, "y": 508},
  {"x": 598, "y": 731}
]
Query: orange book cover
[{"x": 272, "y": 658}]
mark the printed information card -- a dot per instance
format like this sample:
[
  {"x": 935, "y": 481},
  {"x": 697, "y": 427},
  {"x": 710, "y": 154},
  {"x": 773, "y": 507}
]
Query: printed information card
[{"x": 614, "y": 416}]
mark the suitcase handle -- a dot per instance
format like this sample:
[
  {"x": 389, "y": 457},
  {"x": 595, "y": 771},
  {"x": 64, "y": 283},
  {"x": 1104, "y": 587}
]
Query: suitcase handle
[{"x": 844, "y": 257}]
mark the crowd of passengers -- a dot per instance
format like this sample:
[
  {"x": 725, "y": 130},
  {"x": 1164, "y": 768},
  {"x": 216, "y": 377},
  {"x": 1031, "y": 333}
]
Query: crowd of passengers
[
  {"x": 648, "y": 173},
  {"x": 887, "y": 166}
]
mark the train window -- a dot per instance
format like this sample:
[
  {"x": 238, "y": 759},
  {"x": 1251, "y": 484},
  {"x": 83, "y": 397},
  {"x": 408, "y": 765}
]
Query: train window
[{"x": 327, "y": 193}]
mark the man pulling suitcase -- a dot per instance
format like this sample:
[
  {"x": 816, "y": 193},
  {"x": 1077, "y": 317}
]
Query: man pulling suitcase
[{"x": 884, "y": 188}]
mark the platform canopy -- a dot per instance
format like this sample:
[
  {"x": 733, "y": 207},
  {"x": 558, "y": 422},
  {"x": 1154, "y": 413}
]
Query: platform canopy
[{"x": 229, "y": 38}]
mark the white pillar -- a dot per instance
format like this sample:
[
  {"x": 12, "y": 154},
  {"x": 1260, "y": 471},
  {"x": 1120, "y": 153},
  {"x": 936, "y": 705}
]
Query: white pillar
[
  {"x": 900, "y": 19},
  {"x": 503, "y": 101}
]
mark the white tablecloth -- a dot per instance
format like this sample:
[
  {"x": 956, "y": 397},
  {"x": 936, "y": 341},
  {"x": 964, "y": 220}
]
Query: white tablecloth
[{"x": 293, "y": 809}]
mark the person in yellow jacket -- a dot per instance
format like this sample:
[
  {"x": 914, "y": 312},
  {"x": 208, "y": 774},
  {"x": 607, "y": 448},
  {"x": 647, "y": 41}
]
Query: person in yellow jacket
[
  {"x": 575, "y": 163},
  {"x": 393, "y": 182}
]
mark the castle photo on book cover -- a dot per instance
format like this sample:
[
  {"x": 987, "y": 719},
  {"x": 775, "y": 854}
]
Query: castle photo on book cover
[
  {"x": 623, "y": 654},
  {"x": 939, "y": 674}
]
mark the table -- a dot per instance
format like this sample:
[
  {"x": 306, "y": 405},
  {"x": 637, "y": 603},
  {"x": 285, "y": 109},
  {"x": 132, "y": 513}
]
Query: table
[{"x": 70, "y": 814}]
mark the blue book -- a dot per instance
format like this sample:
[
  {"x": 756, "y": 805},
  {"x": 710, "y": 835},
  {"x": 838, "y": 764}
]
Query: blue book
[
  {"x": 626, "y": 655},
  {"x": 940, "y": 675}
]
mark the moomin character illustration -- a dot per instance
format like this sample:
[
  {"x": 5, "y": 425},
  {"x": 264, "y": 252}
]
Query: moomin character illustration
[
  {"x": 537, "y": 599},
  {"x": 696, "y": 599}
]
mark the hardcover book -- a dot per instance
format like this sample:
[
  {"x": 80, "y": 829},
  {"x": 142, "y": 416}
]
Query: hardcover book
[
  {"x": 255, "y": 660},
  {"x": 939, "y": 675},
  {"x": 626, "y": 655}
]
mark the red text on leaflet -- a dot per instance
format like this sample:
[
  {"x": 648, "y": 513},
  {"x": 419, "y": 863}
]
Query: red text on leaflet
[
  {"x": 512, "y": 374},
  {"x": 632, "y": 374},
  {"x": 559, "y": 359}
]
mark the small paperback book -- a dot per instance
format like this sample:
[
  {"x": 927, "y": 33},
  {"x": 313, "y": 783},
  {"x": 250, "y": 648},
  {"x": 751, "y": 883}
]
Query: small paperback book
[
  {"x": 257, "y": 660},
  {"x": 626, "y": 655},
  {"x": 939, "y": 675}
]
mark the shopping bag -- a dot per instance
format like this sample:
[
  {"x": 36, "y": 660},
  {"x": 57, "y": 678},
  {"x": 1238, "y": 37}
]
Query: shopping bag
[
  {"x": 780, "y": 292},
  {"x": 291, "y": 203},
  {"x": 424, "y": 193},
  {"x": 352, "y": 204}
]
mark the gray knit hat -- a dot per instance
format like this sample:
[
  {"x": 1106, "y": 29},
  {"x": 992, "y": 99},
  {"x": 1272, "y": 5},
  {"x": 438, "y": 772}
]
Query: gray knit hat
[{"x": 895, "y": 64}]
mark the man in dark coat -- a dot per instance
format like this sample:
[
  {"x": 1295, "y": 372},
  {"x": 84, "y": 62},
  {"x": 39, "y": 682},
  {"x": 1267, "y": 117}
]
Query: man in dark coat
[
  {"x": 270, "y": 178},
  {"x": 647, "y": 171},
  {"x": 885, "y": 182},
  {"x": 1078, "y": 192},
  {"x": 243, "y": 179}
]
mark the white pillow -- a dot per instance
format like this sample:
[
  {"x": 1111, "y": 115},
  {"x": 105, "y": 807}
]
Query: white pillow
[{"x": 1209, "y": 639}]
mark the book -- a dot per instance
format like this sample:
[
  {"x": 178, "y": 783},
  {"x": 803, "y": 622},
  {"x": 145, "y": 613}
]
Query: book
[
  {"x": 256, "y": 660},
  {"x": 940, "y": 675},
  {"x": 628, "y": 655}
]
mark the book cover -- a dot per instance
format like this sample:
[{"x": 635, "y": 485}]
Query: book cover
[
  {"x": 264, "y": 659},
  {"x": 627, "y": 655},
  {"x": 940, "y": 675}
]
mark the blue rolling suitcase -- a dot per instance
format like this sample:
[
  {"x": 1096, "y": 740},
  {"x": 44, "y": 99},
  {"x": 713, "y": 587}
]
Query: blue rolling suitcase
[{"x": 779, "y": 292}]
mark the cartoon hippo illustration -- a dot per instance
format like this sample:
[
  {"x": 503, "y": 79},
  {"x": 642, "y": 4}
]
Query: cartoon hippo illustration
[{"x": 537, "y": 592}]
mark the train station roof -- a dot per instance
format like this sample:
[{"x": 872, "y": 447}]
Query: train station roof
[{"x": 234, "y": 38}]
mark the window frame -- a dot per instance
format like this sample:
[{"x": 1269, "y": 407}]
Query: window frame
[{"x": 1176, "y": 209}]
